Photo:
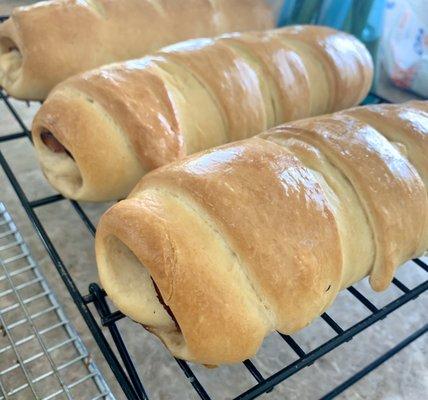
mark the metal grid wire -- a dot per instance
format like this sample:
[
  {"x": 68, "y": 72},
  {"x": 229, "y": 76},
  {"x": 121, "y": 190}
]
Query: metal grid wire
[
  {"x": 119, "y": 358},
  {"x": 41, "y": 354}
]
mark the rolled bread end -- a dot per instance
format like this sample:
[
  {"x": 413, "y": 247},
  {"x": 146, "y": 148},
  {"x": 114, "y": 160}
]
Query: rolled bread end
[
  {"x": 189, "y": 293},
  {"x": 82, "y": 152},
  {"x": 11, "y": 60}
]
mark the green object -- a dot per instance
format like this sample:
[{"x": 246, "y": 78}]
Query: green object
[
  {"x": 362, "y": 18},
  {"x": 306, "y": 11}
]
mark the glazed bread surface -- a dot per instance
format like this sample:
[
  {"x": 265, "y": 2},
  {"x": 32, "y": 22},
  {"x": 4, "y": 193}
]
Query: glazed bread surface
[
  {"x": 112, "y": 125},
  {"x": 43, "y": 44},
  {"x": 214, "y": 252}
]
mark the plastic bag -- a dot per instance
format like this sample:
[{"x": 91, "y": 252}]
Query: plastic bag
[{"x": 405, "y": 45}]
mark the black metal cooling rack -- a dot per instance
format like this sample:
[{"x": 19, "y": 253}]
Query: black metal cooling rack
[{"x": 118, "y": 356}]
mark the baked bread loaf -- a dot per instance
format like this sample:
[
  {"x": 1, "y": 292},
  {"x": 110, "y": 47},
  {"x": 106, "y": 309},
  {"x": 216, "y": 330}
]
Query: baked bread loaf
[
  {"x": 43, "y": 44},
  {"x": 99, "y": 132},
  {"x": 214, "y": 252}
]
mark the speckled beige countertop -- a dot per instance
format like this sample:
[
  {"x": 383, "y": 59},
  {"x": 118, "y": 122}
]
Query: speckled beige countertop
[{"x": 403, "y": 377}]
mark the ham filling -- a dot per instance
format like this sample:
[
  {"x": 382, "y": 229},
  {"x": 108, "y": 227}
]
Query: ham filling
[{"x": 53, "y": 144}]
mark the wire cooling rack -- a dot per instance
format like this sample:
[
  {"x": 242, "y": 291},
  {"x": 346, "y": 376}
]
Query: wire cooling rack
[
  {"x": 41, "y": 354},
  {"x": 101, "y": 320}
]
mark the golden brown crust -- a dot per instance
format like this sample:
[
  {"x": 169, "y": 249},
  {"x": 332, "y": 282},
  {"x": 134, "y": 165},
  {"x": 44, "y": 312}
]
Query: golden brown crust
[
  {"x": 347, "y": 65},
  {"x": 289, "y": 90},
  {"x": 261, "y": 234},
  {"x": 108, "y": 173},
  {"x": 240, "y": 21},
  {"x": 230, "y": 79},
  {"x": 205, "y": 92},
  {"x": 58, "y": 39},
  {"x": 405, "y": 126},
  {"x": 390, "y": 188},
  {"x": 158, "y": 237},
  {"x": 354, "y": 230},
  {"x": 266, "y": 189},
  {"x": 150, "y": 122}
]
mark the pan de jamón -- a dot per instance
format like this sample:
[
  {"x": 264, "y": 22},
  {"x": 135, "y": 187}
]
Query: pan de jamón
[
  {"x": 99, "y": 132},
  {"x": 43, "y": 44},
  {"x": 214, "y": 252}
]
